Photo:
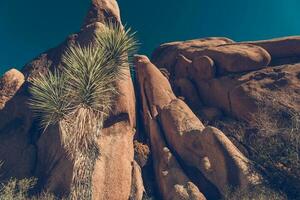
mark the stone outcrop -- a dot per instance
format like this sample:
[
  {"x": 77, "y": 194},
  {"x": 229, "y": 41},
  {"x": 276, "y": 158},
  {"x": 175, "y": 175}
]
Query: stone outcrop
[
  {"x": 187, "y": 85},
  {"x": 29, "y": 151},
  {"x": 237, "y": 94},
  {"x": 282, "y": 50},
  {"x": 205, "y": 148},
  {"x": 171, "y": 179},
  {"x": 228, "y": 57},
  {"x": 166, "y": 55}
]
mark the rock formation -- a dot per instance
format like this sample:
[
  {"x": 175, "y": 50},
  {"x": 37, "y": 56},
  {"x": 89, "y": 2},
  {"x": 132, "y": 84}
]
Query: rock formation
[
  {"x": 184, "y": 86},
  {"x": 29, "y": 151},
  {"x": 205, "y": 148},
  {"x": 234, "y": 77}
]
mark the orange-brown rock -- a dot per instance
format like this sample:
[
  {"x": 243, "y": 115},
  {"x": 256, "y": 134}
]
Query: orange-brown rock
[
  {"x": 28, "y": 151},
  {"x": 159, "y": 94},
  {"x": 238, "y": 95},
  {"x": 172, "y": 181},
  {"x": 10, "y": 83},
  {"x": 236, "y": 57},
  {"x": 137, "y": 186},
  {"x": 242, "y": 95},
  {"x": 103, "y": 11},
  {"x": 206, "y": 149},
  {"x": 165, "y": 55},
  {"x": 203, "y": 68},
  {"x": 187, "y": 89},
  {"x": 282, "y": 50},
  {"x": 181, "y": 67}
]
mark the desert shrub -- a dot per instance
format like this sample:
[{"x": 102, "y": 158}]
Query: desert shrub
[
  {"x": 276, "y": 147},
  {"x": 271, "y": 139},
  {"x": 16, "y": 189},
  {"x": 20, "y": 189}
]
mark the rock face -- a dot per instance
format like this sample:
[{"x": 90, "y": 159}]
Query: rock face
[
  {"x": 166, "y": 55},
  {"x": 204, "y": 148},
  {"x": 196, "y": 80},
  {"x": 282, "y": 50},
  {"x": 228, "y": 56},
  {"x": 173, "y": 182},
  {"x": 26, "y": 151},
  {"x": 212, "y": 71}
]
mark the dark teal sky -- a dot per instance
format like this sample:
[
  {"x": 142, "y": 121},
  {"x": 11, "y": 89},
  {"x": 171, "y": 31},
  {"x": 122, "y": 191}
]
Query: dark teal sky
[{"x": 30, "y": 27}]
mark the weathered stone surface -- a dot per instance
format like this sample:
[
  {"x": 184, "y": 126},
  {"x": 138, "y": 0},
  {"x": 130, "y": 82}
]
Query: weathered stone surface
[
  {"x": 238, "y": 95},
  {"x": 187, "y": 89},
  {"x": 28, "y": 152},
  {"x": 206, "y": 149},
  {"x": 165, "y": 55},
  {"x": 203, "y": 68},
  {"x": 137, "y": 186},
  {"x": 237, "y": 57},
  {"x": 282, "y": 50},
  {"x": 10, "y": 83},
  {"x": 241, "y": 95},
  {"x": 172, "y": 181},
  {"x": 156, "y": 92}
]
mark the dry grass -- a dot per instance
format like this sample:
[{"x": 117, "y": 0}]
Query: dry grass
[
  {"x": 272, "y": 141},
  {"x": 255, "y": 193}
]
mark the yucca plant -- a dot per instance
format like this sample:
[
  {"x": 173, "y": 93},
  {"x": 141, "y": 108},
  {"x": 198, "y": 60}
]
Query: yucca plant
[{"x": 79, "y": 97}]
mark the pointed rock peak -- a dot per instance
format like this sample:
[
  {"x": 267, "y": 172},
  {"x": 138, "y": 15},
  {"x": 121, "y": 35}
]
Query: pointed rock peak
[
  {"x": 103, "y": 11},
  {"x": 141, "y": 59}
]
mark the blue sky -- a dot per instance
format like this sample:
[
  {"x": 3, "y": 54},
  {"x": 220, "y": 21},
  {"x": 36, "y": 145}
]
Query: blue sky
[{"x": 30, "y": 27}]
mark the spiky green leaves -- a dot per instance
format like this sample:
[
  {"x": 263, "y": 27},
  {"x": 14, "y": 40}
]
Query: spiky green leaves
[
  {"x": 87, "y": 79},
  {"x": 49, "y": 98}
]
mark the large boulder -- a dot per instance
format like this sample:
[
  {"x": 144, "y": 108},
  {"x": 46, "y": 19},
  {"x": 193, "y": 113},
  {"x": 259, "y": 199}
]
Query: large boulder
[
  {"x": 212, "y": 70},
  {"x": 236, "y": 57},
  {"x": 282, "y": 50},
  {"x": 228, "y": 56},
  {"x": 27, "y": 150},
  {"x": 206, "y": 149},
  {"x": 165, "y": 56},
  {"x": 242, "y": 96},
  {"x": 171, "y": 179}
]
